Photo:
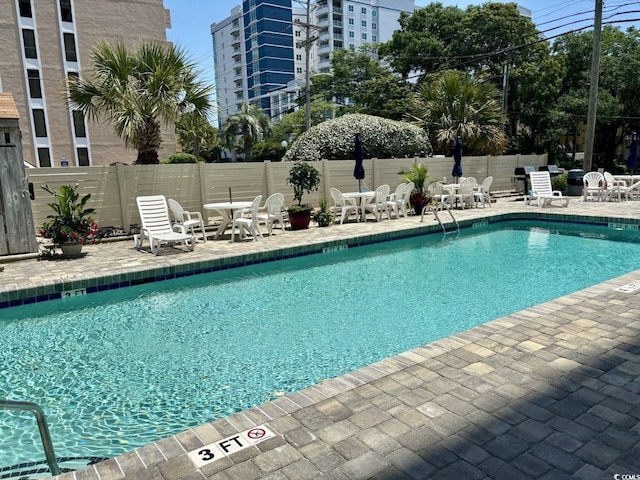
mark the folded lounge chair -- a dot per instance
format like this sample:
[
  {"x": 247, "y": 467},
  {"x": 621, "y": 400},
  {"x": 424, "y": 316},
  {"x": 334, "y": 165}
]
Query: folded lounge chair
[
  {"x": 156, "y": 225},
  {"x": 542, "y": 191}
]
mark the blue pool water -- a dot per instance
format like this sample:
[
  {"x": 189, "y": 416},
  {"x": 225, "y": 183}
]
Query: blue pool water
[{"x": 122, "y": 368}]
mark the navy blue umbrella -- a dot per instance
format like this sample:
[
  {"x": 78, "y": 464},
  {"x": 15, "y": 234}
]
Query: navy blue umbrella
[
  {"x": 457, "y": 158},
  {"x": 358, "y": 171},
  {"x": 632, "y": 161}
]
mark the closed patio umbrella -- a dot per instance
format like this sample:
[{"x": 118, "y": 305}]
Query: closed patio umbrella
[
  {"x": 457, "y": 158},
  {"x": 358, "y": 171},
  {"x": 632, "y": 161}
]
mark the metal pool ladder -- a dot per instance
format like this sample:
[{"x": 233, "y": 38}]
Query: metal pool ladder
[
  {"x": 430, "y": 208},
  {"x": 42, "y": 427}
]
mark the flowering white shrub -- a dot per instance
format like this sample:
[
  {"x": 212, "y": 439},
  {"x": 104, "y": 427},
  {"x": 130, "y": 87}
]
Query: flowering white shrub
[{"x": 381, "y": 138}]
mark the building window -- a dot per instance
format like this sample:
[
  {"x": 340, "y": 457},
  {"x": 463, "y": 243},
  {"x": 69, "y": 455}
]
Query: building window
[
  {"x": 83, "y": 156},
  {"x": 374, "y": 13},
  {"x": 297, "y": 33},
  {"x": 363, "y": 23},
  {"x": 363, "y": 11},
  {"x": 352, "y": 35},
  {"x": 65, "y": 11},
  {"x": 351, "y": 21},
  {"x": 351, "y": 8},
  {"x": 79, "y": 128},
  {"x": 298, "y": 69},
  {"x": 364, "y": 36},
  {"x": 44, "y": 157},
  {"x": 374, "y": 26},
  {"x": 35, "y": 88},
  {"x": 374, "y": 38},
  {"x": 39, "y": 122},
  {"x": 352, "y": 46},
  {"x": 70, "y": 47},
  {"x": 298, "y": 57},
  {"x": 29, "y": 39},
  {"x": 25, "y": 8}
]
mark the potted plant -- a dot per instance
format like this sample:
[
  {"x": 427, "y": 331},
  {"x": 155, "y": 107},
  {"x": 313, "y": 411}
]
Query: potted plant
[
  {"x": 303, "y": 177},
  {"x": 323, "y": 215},
  {"x": 71, "y": 225},
  {"x": 418, "y": 175}
]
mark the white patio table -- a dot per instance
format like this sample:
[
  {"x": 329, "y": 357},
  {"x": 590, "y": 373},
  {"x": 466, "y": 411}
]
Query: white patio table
[
  {"x": 362, "y": 199},
  {"x": 225, "y": 209}
]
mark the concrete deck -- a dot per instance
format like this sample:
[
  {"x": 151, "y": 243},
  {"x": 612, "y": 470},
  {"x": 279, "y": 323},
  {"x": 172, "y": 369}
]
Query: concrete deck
[{"x": 548, "y": 392}]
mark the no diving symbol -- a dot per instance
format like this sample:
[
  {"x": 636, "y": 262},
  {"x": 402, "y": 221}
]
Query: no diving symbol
[{"x": 256, "y": 433}]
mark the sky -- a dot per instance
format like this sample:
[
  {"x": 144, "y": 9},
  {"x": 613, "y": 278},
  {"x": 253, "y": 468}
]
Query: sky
[{"x": 191, "y": 20}]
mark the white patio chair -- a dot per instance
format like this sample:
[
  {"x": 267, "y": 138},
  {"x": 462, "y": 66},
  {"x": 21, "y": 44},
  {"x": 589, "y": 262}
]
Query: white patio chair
[
  {"x": 190, "y": 220},
  {"x": 593, "y": 186},
  {"x": 156, "y": 225},
  {"x": 542, "y": 191},
  {"x": 378, "y": 203},
  {"x": 615, "y": 188},
  {"x": 246, "y": 220},
  {"x": 482, "y": 192},
  {"x": 343, "y": 207},
  {"x": 396, "y": 201},
  {"x": 274, "y": 212},
  {"x": 437, "y": 192},
  {"x": 465, "y": 192}
]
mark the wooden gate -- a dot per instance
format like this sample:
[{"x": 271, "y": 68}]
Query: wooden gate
[{"x": 17, "y": 233}]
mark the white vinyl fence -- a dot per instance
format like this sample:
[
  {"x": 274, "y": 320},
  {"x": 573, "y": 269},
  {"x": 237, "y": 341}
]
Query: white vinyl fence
[{"x": 114, "y": 188}]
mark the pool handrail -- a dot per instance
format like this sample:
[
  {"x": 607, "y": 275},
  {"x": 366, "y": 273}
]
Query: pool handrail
[{"x": 42, "y": 427}]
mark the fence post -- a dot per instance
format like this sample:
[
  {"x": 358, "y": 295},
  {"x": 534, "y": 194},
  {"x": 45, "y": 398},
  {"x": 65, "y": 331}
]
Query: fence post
[
  {"x": 326, "y": 177},
  {"x": 124, "y": 198},
  {"x": 268, "y": 174},
  {"x": 202, "y": 172}
]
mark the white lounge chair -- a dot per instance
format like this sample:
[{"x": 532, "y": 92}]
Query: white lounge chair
[
  {"x": 156, "y": 225},
  {"x": 593, "y": 186},
  {"x": 437, "y": 192},
  {"x": 615, "y": 188},
  {"x": 542, "y": 191},
  {"x": 274, "y": 212},
  {"x": 246, "y": 219},
  {"x": 190, "y": 220}
]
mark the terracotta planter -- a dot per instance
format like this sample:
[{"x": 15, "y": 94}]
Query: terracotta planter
[
  {"x": 71, "y": 250},
  {"x": 299, "y": 220}
]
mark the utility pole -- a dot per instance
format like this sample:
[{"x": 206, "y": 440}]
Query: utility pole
[
  {"x": 307, "y": 50},
  {"x": 587, "y": 163}
]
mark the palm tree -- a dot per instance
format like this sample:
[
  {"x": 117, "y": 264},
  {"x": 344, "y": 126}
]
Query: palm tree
[
  {"x": 251, "y": 124},
  {"x": 453, "y": 105},
  {"x": 138, "y": 91}
]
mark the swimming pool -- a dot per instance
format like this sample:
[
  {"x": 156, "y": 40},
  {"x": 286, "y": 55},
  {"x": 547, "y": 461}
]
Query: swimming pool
[{"x": 102, "y": 367}]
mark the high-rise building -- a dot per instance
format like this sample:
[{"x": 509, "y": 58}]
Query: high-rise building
[
  {"x": 46, "y": 41},
  {"x": 260, "y": 49}
]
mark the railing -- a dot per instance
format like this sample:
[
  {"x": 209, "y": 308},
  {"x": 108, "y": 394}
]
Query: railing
[{"x": 42, "y": 427}]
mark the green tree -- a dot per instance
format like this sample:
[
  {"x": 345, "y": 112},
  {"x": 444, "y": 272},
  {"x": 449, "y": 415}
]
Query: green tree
[
  {"x": 138, "y": 91},
  {"x": 197, "y": 136},
  {"x": 425, "y": 41},
  {"x": 454, "y": 104},
  {"x": 292, "y": 125},
  {"x": 359, "y": 83},
  {"x": 251, "y": 124}
]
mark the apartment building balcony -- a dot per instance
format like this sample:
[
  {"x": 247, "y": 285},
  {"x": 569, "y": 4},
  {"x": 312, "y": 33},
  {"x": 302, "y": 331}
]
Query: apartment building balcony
[
  {"x": 338, "y": 36},
  {"x": 324, "y": 47},
  {"x": 323, "y": 10},
  {"x": 337, "y": 23}
]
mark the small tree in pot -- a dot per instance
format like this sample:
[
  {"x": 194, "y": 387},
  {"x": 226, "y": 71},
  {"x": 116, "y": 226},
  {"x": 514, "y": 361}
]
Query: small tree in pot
[{"x": 303, "y": 177}]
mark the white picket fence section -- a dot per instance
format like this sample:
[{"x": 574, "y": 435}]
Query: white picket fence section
[{"x": 114, "y": 188}]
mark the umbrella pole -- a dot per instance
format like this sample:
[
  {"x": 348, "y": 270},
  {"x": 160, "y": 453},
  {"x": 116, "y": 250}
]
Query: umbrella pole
[{"x": 359, "y": 185}]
